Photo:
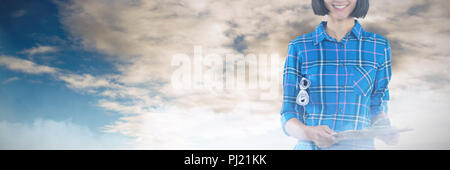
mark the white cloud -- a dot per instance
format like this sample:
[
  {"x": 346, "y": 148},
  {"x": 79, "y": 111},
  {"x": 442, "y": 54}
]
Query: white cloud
[
  {"x": 121, "y": 108},
  {"x": 39, "y": 49},
  {"x": 143, "y": 36},
  {"x": 25, "y": 66},
  {"x": 204, "y": 129},
  {"x": 76, "y": 81},
  {"x": 9, "y": 80},
  {"x": 18, "y": 13},
  {"x": 424, "y": 110},
  {"x": 50, "y": 134},
  {"x": 84, "y": 81},
  {"x": 158, "y": 30}
]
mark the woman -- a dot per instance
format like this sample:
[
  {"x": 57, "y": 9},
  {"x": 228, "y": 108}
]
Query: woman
[{"x": 336, "y": 79}]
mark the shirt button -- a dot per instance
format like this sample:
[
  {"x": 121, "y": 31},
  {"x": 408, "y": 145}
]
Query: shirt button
[{"x": 340, "y": 110}]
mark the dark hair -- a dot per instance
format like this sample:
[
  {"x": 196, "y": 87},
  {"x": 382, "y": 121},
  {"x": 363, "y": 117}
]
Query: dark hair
[{"x": 360, "y": 11}]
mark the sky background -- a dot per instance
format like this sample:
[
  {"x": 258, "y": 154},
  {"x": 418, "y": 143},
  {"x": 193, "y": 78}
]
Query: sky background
[{"x": 96, "y": 74}]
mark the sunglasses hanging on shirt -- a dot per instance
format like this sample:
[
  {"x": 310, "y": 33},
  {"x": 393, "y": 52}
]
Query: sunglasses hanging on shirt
[{"x": 303, "y": 97}]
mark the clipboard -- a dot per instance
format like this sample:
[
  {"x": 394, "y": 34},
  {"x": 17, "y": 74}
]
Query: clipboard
[{"x": 367, "y": 133}]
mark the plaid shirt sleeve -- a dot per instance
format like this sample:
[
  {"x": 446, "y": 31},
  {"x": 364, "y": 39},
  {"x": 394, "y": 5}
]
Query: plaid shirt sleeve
[
  {"x": 380, "y": 94},
  {"x": 291, "y": 76}
]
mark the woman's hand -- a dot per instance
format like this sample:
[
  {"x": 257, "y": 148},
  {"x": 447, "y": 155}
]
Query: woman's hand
[{"x": 320, "y": 135}]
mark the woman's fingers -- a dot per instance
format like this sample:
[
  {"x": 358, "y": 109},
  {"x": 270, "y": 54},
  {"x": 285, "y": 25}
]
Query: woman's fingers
[
  {"x": 323, "y": 136},
  {"x": 328, "y": 130}
]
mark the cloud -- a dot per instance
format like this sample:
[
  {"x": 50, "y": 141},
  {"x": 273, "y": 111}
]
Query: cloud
[
  {"x": 18, "y": 13},
  {"x": 11, "y": 79},
  {"x": 134, "y": 108},
  {"x": 76, "y": 81},
  {"x": 141, "y": 37},
  {"x": 50, "y": 134},
  {"x": 418, "y": 9},
  {"x": 239, "y": 44},
  {"x": 84, "y": 81},
  {"x": 426, "y": 111},
  {"x": 159, "y": 117},
  {"x": 39, "y": 50},
  {"x": 25, "y": 66},
  {"x": 176, "y": 27},
  {"x": 204, "y": 129}
]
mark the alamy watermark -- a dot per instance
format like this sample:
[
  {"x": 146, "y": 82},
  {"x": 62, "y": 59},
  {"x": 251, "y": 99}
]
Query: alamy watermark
[{"x": 227, "y": 73}]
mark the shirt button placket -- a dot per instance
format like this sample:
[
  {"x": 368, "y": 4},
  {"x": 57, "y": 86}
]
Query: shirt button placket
[{"x": 341, "y": 64}]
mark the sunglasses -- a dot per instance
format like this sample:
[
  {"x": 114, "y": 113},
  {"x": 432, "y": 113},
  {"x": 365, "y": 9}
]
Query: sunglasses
[{"x": 303, "y": 97}]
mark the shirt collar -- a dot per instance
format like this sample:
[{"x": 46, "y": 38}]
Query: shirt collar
[{"x": 321, "y": 34}]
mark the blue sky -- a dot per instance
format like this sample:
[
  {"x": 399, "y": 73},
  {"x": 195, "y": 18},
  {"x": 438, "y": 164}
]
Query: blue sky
[
  {"x": 96, "y": 74},
  {"x": 29, "y": 97}
]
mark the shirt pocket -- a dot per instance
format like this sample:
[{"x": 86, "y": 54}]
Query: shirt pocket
[
  {"x": 312, "y": 73},
  {"x": 363, "y": 79}
]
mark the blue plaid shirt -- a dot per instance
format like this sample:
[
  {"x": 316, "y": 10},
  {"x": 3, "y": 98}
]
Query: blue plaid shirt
[{"x": 349, "y": 79}]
